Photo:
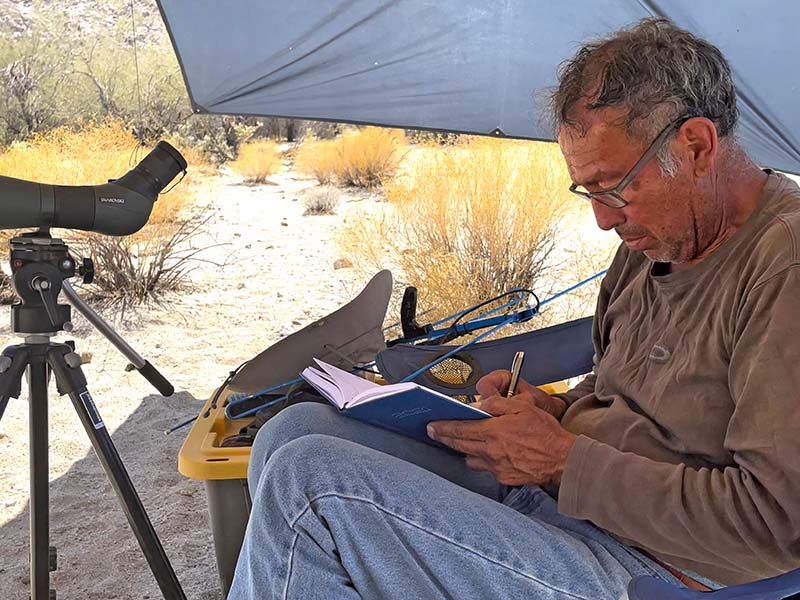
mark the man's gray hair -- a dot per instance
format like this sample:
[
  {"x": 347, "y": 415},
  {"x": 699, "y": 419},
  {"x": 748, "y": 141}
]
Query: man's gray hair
[{"x": 657, "y": 73}]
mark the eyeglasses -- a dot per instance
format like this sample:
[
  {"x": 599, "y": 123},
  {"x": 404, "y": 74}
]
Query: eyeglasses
[{"x": 612, "y": 197}]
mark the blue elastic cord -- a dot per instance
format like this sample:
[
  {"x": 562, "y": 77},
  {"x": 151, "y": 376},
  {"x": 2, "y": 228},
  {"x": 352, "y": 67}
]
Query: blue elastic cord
[
  {"x": 508, "y": 304},
  {"x": 574, "y": 287},
  {"x": 474, "y": 324},
  {"x": 458, "y": 349},
  {"x": 239, "y": 401}
]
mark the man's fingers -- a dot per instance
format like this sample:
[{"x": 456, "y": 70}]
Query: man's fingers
[
  {"x": 494, "y": 384},
  {"x": 498, "y": 405},
  {"x": 464, "y": 430},
  {"x": 469, "y": 447}
]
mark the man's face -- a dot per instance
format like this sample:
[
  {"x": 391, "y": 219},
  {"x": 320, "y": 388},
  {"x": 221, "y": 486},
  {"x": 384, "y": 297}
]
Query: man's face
[{"x": 660, "y": 218}]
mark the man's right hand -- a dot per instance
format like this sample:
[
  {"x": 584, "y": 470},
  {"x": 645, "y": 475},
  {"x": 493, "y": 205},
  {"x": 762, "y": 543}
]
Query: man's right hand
[{"x": 496, "y": 384}]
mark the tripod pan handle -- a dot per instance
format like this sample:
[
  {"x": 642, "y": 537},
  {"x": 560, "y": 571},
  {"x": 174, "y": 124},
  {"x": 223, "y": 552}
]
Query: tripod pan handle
[{"x": 159, "y": 382}]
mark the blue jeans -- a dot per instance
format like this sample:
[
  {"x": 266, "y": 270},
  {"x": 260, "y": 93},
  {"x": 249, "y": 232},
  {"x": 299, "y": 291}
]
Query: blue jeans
[{"x": 345, "y": 510}]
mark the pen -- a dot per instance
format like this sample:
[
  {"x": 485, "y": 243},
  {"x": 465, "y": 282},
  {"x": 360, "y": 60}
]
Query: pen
[{"x": 516, "y": 367}]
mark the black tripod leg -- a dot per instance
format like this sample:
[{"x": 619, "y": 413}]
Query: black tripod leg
[
  {"x": 71, "y": 380},
  {"x": 40, "y": 503},
  {"x": 13, "y": 362}
]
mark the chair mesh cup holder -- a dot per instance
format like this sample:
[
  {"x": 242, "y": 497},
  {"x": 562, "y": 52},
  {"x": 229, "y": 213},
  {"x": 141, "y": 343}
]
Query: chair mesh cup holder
[{"x": 457, "y": 372}]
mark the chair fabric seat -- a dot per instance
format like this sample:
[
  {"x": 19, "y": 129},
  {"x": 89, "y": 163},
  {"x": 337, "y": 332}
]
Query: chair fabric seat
[{"x": 781, "y": 587}]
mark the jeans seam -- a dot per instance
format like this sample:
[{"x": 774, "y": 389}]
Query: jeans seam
[
  {"x": 290, "y": 565},
  {"x": 436, "y": 535}
]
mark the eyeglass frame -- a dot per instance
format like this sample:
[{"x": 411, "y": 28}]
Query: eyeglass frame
[{"x": 612, "y": 197}]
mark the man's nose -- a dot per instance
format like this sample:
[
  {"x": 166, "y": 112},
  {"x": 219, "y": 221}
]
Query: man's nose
[{"x": 607, "y": 218}]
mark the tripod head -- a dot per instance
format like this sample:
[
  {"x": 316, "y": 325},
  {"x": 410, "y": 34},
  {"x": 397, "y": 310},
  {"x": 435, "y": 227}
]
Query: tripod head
[{"x": 39, "y": 266}]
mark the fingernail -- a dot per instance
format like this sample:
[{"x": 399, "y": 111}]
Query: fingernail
[{"x": 431, "y": 432}]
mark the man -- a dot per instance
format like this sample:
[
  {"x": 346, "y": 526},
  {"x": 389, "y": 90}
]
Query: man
[{"x": 679, "y": 456}]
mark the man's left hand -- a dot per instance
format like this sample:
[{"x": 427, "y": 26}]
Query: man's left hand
[{"x": 520, "y": 445}]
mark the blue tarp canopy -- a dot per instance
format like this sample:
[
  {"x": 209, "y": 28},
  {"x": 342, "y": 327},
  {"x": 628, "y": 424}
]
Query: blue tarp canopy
[{"x": 472, "y": 66}]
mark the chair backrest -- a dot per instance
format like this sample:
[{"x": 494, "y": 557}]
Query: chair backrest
[{"x": 551, "y": 354}]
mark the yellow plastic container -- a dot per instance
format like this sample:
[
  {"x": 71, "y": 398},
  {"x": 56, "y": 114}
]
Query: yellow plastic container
[{"x": 202, "y": 455}]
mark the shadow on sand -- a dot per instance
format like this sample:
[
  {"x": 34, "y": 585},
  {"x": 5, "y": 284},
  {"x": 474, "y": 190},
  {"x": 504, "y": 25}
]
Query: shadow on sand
[{"x": 98, "y": 555}]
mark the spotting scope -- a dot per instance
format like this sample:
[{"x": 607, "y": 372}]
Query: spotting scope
[{"x": 119, "y": 207}]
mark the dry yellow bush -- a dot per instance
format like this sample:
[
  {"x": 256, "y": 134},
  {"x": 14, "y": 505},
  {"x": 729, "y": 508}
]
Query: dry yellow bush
[
  {"x": 369, "y": 156},
  {"x": 320, "y": 159},
  {"x": 467, "y": 222},
  {"x": 361, "y": 157},
  {"x": 257, "y": 160}
]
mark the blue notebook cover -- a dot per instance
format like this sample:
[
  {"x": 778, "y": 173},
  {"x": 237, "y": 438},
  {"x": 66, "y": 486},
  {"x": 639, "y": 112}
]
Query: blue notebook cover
[
  {"x": 404, "y": 408},
  {"x": 409, "y": 412}
]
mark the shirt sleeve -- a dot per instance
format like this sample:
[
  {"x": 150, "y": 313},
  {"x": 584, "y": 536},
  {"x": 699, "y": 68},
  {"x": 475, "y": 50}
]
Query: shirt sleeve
[
  {"x": 744, "y": 518},
  {"x": 584, "y": 388}
]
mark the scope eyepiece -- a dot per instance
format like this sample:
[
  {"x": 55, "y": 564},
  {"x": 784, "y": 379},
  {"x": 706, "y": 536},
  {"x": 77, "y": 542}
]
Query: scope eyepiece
[{"x": 119, "y": 207}]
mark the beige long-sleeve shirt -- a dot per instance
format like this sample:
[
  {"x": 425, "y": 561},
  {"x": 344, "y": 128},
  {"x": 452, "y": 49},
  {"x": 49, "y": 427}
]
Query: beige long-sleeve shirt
[{"x": 689, "y": 427}]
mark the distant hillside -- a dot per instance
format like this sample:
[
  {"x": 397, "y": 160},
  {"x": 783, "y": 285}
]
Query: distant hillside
[{"x": 84, "y": 17}]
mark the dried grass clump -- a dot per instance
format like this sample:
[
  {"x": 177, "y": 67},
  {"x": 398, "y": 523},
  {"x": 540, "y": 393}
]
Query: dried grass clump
[
  {"x": 370, "y": 156},
  {"x": 321, "y": 200},
  {"x": 145, "y": 267},
  {"x": 131, "y": 269},
  {"x": 468, "y": 221},
  {"x": 320, "y": 159},
  {"x": 362, "y": 157},
  {"x": 257, "y": 160}
]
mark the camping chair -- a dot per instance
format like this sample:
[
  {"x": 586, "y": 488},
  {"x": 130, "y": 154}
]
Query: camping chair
[{"x": 781, "y": 587}]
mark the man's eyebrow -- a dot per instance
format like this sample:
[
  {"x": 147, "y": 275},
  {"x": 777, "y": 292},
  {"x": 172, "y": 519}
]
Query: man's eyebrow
[{"x": 599, "y": 175}]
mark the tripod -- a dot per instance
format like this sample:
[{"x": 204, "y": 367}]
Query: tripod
[{"x": 39, "y": 265}]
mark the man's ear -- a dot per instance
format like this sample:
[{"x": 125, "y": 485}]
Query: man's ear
[{"x": 699, "y": 137}]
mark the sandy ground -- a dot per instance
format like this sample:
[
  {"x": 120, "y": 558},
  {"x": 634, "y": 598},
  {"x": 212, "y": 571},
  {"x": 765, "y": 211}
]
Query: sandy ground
[{"x": 271, "y": 274}]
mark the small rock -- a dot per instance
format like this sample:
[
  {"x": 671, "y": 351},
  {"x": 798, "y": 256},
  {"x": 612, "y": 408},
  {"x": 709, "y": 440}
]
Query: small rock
[
  {"x": 237, "y": 235},
  {"x": 342, "y": 263},
  {"x": 278, "y": 295},
  {"x": 239, "y": 286},
  {"x": 284, "y": 224},
  {"x": 86, "y": 358},
  {"x": 188, "y": 493}
]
